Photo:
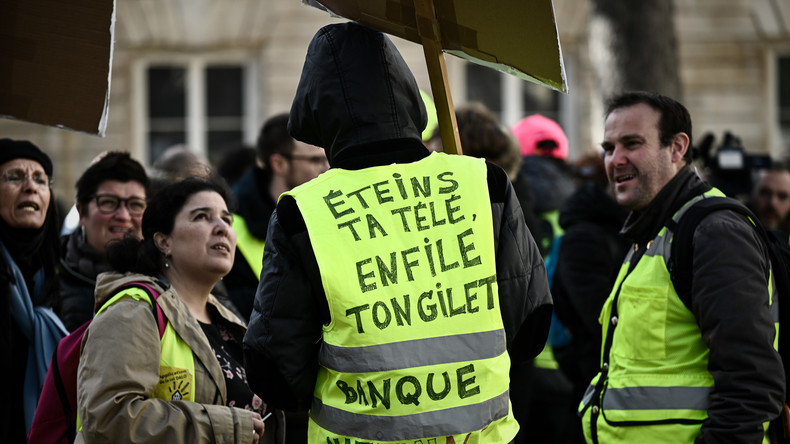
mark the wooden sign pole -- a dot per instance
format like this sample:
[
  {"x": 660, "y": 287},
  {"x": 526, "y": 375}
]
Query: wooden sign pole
[{"x": 428, "y": 27}]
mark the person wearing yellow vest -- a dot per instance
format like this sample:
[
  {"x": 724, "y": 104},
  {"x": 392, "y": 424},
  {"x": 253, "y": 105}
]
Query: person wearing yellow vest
[
  {"x": 670, "y": 374},
  {"x": 282, "y": 163},
  {"x": 398, "y": 286},
  {"x": 190, "y": 386}
]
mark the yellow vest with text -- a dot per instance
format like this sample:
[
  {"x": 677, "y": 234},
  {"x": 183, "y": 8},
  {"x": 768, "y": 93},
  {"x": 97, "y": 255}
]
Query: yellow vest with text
[
  {"x": 250, "y": 246},
  {"x": 416, "y": 347},
  {"x": 176, "y": 362},
  {"x": 656, "y": 383}
]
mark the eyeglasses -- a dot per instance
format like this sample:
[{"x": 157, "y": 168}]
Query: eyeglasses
[
  {"x": 315, "y": 160},
  {"x": 18, "y": 177},
  {"x": 108, "y": 203}
]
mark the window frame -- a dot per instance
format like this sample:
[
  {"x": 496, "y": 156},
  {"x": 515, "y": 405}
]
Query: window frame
[
  {"x": 772, "y": 126},
  {"x": 196, "y": 115}
]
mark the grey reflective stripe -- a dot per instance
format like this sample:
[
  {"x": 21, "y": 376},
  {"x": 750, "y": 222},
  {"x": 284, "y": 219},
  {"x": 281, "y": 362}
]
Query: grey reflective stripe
[
  {"x": 656, "y": 398},
  {"x": 629, "y": 255},
  {"x": 665, "y": 248},
  {"x": 588, "y": 394},
  {"x": 415, "y": 353},
  {"x": 451, "y": 421},
  {"x": 660, "y": 246},
  {"x": 676, "y": 217}
]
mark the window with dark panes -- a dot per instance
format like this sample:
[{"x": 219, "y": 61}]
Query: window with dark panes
[
  {"x": 485, "y": 85},
  {"x": 167, "y": 108},
  {"x": 224, "y": 108},
  {"x": 197, "y": 103},
  {"x": 541, "y": 100}
]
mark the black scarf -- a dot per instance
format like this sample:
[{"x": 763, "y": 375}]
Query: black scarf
[
  {"x": 24, "y": 244},
  {"x": 642, "y": 226},
  {"x": 33, "y": 249},
  {"x": 80, "y": 257}
]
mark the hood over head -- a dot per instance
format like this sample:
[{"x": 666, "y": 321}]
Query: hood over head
[{"x": 355, "y": 89}]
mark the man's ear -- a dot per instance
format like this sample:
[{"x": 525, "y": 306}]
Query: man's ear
[
  {"x": 162, "y": 243},
  {"x": 679, "y": 146},
  {"x": 279, "y": 164},
  {"x": 82, "y": 211}
]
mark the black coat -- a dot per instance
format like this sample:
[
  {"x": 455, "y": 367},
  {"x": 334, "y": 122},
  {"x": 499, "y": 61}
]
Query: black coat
[
  {"x": 14, "y": 346},
  {"x": 255, "y": 205},
  {"x": 367, "y": 113},
  {"x": 78, "y": 268}
]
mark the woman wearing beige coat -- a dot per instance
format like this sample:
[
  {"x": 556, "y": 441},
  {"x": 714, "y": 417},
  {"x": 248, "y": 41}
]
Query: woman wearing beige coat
[{"x": 188, "y": 246}]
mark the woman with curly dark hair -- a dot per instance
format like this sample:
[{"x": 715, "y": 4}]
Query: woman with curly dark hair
[{"x": 187, "y": 384}]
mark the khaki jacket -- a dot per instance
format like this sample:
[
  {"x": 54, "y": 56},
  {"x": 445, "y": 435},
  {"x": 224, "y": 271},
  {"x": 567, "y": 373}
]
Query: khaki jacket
[{"x": 119, "y": 370}]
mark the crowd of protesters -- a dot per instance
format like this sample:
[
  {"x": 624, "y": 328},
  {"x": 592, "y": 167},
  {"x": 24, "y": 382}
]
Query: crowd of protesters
[{"x": 574, "y": 244}]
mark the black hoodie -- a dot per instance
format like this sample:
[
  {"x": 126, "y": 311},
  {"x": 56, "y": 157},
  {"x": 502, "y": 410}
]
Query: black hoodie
[
  {"x": 358, "y": 100},
  {"x": 355, "y": 90}
]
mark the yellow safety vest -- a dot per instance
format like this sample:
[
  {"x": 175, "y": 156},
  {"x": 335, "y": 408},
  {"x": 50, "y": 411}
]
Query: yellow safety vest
[
  {"x": 416, "y": 347},
  {"x": 250, "y": 246},
  {"x": 553, "y": 219},
  {"x": 545, "y": 359},
  {"x": 656, "y": 381},
  {"x": 176, "y": 362}
]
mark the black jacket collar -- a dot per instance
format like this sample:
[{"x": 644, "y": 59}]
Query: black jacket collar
[{"x": 642, "y": 226}]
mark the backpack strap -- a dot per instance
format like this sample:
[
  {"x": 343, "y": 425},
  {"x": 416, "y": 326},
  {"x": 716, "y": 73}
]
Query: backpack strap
[
  {"x": 153, "y": 295},
  {"x": 680, "y": 268},
  {"x": 61, "y": 376},
  {"x": 60, "y": 387},
  {"x": 681, "y": 257}
]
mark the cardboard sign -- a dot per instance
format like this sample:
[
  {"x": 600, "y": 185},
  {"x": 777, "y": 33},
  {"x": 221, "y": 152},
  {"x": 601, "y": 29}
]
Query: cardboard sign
[
  {"x": 55, "y": 60},
  {"x": 515, "y": 36},
  {"x": 518, "y": 37}
]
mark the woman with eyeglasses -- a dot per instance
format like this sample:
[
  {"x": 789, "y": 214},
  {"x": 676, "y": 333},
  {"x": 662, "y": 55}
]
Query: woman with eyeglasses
[
  {"x": 189, "y": 384},
  {"x": 111, "y": 198},
  {"x": 28, "y": 283}
]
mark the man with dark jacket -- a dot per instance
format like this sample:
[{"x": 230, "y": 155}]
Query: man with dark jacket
[
  {"x": 284, "y": 164},
  {"x": 397, "y": 286},
  {"x": 669, "y": 373}
]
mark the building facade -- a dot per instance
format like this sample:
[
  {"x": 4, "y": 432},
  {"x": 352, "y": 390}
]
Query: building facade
[{"x": 207, "y": 73}]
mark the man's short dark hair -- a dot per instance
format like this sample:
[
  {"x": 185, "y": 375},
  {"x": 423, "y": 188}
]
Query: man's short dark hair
[
  {"x": 779, "y": 166},
  {"x": 115, "y": 165},
  {"x": 674, "y": 117},
  {"x": 274, "y": 138}
]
